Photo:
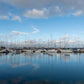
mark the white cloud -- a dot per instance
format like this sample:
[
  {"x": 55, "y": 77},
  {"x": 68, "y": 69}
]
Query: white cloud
[
  {"x": 29, "y": 3},
  {"x": 43, "y": 13},
  {"x": 10, "y": 16},
  {"x": 71, "y": 41},
  {"x": 15, "y": 33},
  {"x": 19, "y": 33},
  {"x": 46, "y": 8},
  {"x": 4, "y": 17},
  {"x": 78, "y": 13},
  {"x": 76, "y": 38},
  {"x": 35, "y": 13},
  {"x": 15, "y": 17},
  {"x": 65, "y": 37},
  {"x": 35, "y": 30},
  {"x": 45, "y": 3}
]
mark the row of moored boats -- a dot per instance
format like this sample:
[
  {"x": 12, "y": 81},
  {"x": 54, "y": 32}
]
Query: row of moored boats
[{"x": 41, "y": 51}]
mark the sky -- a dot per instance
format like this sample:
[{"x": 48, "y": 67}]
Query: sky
[{"x": 45, "y": 19}]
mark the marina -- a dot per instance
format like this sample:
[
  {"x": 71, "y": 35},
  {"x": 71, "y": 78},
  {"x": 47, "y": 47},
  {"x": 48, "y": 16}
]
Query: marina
[
  {"x": 43, "y": 50},
  {"x": 41, "y": 41},
  {"x": 41, "y": 46}
]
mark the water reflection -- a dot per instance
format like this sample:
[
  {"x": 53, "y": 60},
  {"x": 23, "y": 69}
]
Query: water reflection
[
  {"x": 41, "y": 68},
  {"x": 26, "y": 59},
  {"x": 17, "y": 60}
]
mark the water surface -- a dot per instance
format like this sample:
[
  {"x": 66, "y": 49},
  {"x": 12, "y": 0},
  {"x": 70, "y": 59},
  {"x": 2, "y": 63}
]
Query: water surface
[{"x": 41, "y": 68}]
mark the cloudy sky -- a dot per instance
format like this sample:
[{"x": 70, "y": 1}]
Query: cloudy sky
[{"x": 41, "y": 18}]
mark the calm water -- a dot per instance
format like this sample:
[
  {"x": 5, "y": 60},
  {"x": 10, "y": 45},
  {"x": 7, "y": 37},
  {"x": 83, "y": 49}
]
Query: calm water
[{"x": 41, "y": 69}]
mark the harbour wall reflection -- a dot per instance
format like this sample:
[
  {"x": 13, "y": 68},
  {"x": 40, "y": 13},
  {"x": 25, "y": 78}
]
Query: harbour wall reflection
[{"x": 25, "y": 59}]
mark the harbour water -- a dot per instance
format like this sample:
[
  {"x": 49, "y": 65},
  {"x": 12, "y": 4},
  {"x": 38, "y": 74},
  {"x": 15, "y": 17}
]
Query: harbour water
[{"x": 42, "y": 68}]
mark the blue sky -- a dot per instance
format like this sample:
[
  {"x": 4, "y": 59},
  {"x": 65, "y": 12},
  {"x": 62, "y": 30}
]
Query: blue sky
[
  {"x": 42, "y": 19},
  {"x": 55, "y": 26}
]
